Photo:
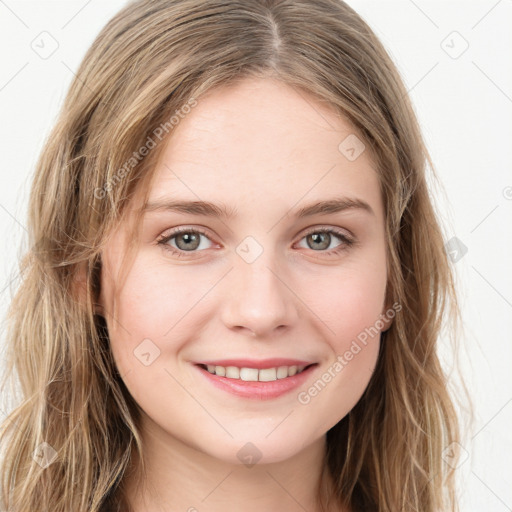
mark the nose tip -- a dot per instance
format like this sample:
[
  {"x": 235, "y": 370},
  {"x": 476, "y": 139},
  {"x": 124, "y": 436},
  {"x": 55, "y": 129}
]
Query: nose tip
[{"x": 259, "y": 301}]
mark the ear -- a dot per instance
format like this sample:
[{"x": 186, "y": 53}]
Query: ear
[{"x": 388, "y": 314}]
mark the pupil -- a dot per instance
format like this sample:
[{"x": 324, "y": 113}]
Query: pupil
[
  {"x": 317, "y": 239},
  {"x": 188, "y": 240}
]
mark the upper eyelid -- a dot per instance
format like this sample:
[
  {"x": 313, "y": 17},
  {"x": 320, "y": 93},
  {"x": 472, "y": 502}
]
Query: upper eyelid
[{"x": 335, "y": 230}]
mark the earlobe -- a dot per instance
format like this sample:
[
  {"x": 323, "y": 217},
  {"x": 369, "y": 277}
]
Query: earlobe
[
  {"x": 386, "y": 317},
  {"x": 389, "y": 314}
]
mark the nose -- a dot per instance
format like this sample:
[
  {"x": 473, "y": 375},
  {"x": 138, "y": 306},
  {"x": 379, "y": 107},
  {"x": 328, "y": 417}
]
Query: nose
[{"x": 259, "y": 300}]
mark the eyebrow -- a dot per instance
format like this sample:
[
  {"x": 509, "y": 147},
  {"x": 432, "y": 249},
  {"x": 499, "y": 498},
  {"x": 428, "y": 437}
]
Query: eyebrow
[{"x": 209, "y": 209}]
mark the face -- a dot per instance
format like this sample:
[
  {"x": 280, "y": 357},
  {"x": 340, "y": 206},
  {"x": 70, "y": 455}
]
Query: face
[{"x": 262, "y": 280}]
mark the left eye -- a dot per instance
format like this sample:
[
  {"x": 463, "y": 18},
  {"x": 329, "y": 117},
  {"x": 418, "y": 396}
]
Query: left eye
[{"x": 323, "y": 237}]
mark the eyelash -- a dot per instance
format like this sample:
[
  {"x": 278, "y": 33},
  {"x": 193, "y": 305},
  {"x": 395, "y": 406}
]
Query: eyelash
[{"x": 346, "y": 241}]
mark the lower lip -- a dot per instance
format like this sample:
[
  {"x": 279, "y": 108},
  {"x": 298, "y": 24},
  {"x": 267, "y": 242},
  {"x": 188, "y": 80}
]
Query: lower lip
[{"x": 255, "y": 389}]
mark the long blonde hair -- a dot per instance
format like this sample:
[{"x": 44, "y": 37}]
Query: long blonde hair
[{"x": 150, "y": 61}]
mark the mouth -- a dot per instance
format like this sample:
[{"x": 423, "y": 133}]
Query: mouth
[{"x": 256, "y": 383}]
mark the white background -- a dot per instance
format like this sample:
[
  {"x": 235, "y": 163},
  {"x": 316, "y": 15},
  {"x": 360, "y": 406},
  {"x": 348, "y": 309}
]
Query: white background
[{"x": 464, "y": 104}]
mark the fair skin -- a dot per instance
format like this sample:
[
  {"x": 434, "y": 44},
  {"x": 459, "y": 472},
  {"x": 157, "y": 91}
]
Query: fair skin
[{"x": 265, "y": 151}]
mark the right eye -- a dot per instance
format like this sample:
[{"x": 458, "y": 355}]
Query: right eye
[{"x": 183, "y": 240}]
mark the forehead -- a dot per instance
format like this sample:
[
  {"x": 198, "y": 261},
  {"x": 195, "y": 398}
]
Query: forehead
[{"x": 263, "y": 142}]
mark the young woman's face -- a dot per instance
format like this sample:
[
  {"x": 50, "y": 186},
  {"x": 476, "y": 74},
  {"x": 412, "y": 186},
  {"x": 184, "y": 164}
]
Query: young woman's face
[{"x": 251, "y": 280}]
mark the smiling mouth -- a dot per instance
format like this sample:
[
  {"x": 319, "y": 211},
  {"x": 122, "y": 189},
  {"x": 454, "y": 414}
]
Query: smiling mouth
[{"x": 255, "y": 374}]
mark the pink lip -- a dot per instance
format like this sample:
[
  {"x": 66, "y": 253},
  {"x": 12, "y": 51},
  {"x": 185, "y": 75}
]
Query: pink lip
[
  {"x": 254, "y": 389},
  {"x": 260, "y": 365}
]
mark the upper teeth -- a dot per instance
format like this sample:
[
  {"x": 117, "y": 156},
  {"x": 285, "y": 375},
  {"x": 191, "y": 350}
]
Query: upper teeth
[{"x": 253, "y": 374}]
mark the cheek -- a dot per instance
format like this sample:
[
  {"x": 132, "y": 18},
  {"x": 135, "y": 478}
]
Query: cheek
[
  {"x": 351, "y": 307},
  {"x": 351, "y": 302},
  {"x": 155, "y": 298},
  {"x": 148, "y": 307},
  {"x": 154, "y": 309}
]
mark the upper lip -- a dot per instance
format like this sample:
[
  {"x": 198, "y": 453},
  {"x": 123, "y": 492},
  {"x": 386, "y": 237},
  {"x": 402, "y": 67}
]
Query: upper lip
[{"x": 253, "y": 363}]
